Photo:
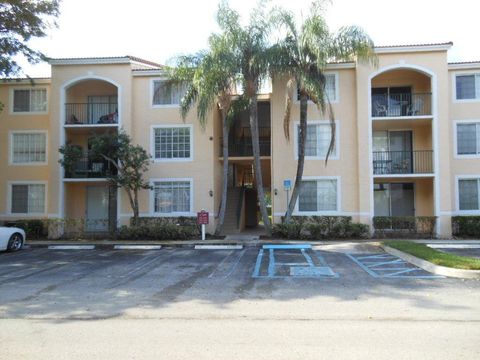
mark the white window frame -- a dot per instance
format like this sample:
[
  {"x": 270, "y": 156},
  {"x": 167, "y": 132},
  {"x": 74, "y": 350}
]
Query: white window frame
[
  {"x": 457, "y": 194},
  {"x": 12, "y": 95},
  {"x": 152, "y": 92},
  {"x": 172, "y": 214},
  {"x": 337, "y": 89},
  {"x": 454, "y": 86},
  {"x": 21, "y": 182},
  {"x": 335, "y": 156},
  {"x": 10, "y": 148},
  {"x": 455, "y": 139},
  {"x": 152, "y": 143},
  {"x": 336, "y": 212}
]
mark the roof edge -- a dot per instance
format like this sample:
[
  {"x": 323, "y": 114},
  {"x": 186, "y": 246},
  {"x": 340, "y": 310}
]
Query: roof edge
[
  {"x": 413, "y": 48},
  {"x": 463, "y": 65},
  {"x": 103, "y": 61}
]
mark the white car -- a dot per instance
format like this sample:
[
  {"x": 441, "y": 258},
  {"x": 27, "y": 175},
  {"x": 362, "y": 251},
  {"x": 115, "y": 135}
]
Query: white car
[{"x": 11, "y": 238}]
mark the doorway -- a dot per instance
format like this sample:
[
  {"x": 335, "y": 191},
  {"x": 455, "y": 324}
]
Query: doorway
[{"x": 97, "y": 209}]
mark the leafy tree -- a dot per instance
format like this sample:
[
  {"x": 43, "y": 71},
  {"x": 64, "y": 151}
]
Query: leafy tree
[
  {"x": 302, "y": 56},
  {"x": 251, "y": 46},
  {"x": 131, "y": 162},
  {"x": 210, "y": 79},
  {"x": 20, "y": 21}
]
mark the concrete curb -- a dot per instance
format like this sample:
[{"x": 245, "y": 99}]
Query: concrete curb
[
  {"x": 435, "y": 269},
  {"x": 218, "y": 247}
]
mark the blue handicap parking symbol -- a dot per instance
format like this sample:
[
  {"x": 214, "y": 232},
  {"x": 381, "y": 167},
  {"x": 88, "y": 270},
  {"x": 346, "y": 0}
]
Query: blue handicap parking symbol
[
  {"x": 286, "y": 261},
  {"x": 383, "y": 265}
]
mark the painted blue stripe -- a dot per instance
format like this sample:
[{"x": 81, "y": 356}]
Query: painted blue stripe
[
  {"x": 256, "y": 272},
  {"x": 308, "y": 258},
  {"x": 287, "y": 246},
  {"x": 271, "y": 264},
  {"x": 370, "y": 272}
]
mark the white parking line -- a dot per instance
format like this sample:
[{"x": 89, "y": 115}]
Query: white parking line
[{"x": 71, "y": 247}]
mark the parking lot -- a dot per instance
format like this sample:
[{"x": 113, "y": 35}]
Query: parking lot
[
  {"x": 95, "y": 283},
  {"x": 262, "y": 301}
]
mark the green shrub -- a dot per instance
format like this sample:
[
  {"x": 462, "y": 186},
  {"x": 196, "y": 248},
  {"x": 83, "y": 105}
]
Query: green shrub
[
  {"x": 466, "y": 226},
  {"x": 34, "y": 228},
  {"x": 321, "y": 227},
  {"x": 292, "y": 231},
  {"x": 394, "y": 226},
  {"x": 158, "y": 232}
]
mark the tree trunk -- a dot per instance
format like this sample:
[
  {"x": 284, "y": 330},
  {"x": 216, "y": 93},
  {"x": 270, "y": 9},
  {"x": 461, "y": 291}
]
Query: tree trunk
[
  {"x": 223, "y": 203},
  {"x": 257, "y": 164},
  {"x": 135, "y": 207},
  {"x": 132, "y": 205},
  {"x": 112, "y": 209},
  {"x": 302, "y": 136}
]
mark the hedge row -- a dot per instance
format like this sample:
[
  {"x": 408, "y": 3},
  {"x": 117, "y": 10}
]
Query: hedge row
[
  {"x": 321, "y": 227},
  {"x": 395, "y": 226},
  {"x": 466, "y": 226},
  {"x": 158, "y": 232}
]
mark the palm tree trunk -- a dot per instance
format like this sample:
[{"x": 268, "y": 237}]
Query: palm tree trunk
[
  {"x": 257, "y": 164},
  {"x": 302, "y": 136},
  {"x": 223, "y": 203}
]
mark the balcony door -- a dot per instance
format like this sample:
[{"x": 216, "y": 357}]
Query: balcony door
[
  {"x": 393, "y": 152},
  {"x": 391, "y": 101},
  {"x": 97, "y": 209},
  {"x": 394, "y": 199},
  {"x": 99, "y": 106}
]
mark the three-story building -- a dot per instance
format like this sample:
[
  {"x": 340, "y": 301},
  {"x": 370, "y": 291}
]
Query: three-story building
[{"x": 407, "y": 143}]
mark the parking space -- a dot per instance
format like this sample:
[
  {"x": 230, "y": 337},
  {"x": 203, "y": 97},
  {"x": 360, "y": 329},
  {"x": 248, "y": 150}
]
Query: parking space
[
  {"x": 458, "y": 249},
  {"x": 287, "y": 261},
  {"x": 383, "y": 265}
]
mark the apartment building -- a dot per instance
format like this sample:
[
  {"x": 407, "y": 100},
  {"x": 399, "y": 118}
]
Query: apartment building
[{"x": 407, "y": 143}]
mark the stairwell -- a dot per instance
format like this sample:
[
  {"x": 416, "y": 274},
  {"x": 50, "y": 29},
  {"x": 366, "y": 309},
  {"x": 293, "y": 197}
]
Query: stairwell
[{"x": 230, "y": 225}]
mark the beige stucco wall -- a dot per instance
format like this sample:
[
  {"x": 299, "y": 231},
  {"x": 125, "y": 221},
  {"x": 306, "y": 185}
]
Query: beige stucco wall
[
  {"x": 433, "y": 64},
  {"x": 346, "y": 166},
  {"x": 458, "y": 111},
  {"x": 10, "y": 121},
  {"x": 205, "y": 158}
]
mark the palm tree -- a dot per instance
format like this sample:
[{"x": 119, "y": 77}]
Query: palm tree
[
  {"x": 302, "y": 56},
  {"x": 253, "y": 59},
  {"x": 210, "y": 78}
]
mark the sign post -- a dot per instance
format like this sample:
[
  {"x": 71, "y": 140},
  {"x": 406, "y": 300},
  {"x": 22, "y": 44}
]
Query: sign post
[
  {"x": 202, "y": 219},
  {"x": 287, "y": 185}
]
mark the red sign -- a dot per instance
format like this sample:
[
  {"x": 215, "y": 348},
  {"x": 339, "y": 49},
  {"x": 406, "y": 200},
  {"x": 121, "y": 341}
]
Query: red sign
[{"x": 202, "y": 218}]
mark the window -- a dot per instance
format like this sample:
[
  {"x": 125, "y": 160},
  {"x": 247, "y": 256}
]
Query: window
[
  {"x": 30, "y": 100},
  {"x": 172, "y": 143},
  {"x": 318, "y": 196},
  {"x": 28, "y": 199},
  {"x": 468, "y": 194},
  {"x": 172, "y": 197},
  {"x": 468, "y": 139},
  {"x": 28, "y": 148},
  {"x": 167, "y": 94},
  {"x": 317, "y": 140},
  {"x": 467, "y": 86},
  {"x": 331, "y": 88}
]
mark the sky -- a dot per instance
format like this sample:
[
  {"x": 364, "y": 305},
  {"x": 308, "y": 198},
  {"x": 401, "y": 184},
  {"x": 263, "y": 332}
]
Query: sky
[{"x": 158, "y": 30}]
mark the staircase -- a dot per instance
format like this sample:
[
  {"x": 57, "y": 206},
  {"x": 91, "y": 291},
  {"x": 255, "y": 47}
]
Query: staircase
[{"x": 230, "y": 225}]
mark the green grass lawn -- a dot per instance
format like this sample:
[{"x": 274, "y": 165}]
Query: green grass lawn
[{"x": 434, "y": 256}]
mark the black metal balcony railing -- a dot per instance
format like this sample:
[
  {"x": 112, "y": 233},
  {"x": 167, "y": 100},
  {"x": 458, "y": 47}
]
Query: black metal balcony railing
[
  {"x": 89, "y": 168},
  {"x": 91, "y": 113},
  {"x": 402, "y": 162},
  {"x": 407, "y": 104},
  {"x": 240, "y": 142}
]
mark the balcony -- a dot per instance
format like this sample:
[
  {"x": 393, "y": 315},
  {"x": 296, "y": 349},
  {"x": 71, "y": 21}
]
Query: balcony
[
  {"x": 401, "y": 105},
  {"x": 91, "y": 113},
  {"x": 240, "y": 142},
  {"x": 402, "y": 162},
  {"x": 89, "y": 168}
]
